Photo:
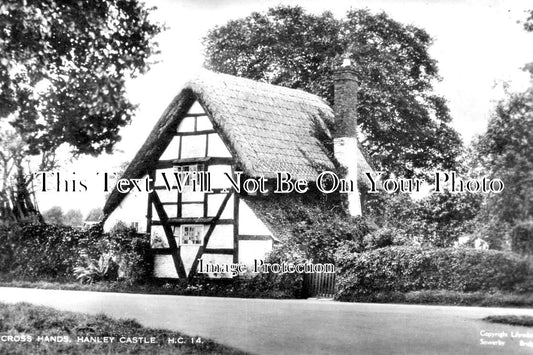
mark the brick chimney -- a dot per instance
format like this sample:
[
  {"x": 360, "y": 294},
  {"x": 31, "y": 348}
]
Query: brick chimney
[{"x": 345, "y": 130}]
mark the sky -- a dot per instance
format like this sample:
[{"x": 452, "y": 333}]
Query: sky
[{"x": 480, "y": 47}]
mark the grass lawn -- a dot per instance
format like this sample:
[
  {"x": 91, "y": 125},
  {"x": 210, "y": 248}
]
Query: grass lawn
[
  {"x": 525, "y": 321},
  {"x": 29, "y": 329},
  {"x": 455, "y": 298}
]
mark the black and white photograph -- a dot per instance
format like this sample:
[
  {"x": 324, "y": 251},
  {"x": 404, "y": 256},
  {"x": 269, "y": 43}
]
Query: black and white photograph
[{"x": 266, "y": 177}]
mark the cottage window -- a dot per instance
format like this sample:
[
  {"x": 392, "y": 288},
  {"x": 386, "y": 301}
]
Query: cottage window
[
  {"x": 191, "y": 235},
  {"x": 188, "y": 174}
]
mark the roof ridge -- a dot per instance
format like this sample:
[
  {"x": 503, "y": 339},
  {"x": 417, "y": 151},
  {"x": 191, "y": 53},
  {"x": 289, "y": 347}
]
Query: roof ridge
[{"x": 206, "y": 75}]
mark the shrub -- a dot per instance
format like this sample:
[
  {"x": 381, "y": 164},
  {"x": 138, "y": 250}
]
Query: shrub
[
  {"x": 7, "y": 246},
  {"x": 52, "y": 251},
  {"x": 268, "y": 285},
  {"x": 404, "y": 269},
  {"x": 317, "y": 227},
  {"x": 378, "y": 239},
  {"x": 437, "y": 220},
  {"x": 103, "y": 269},
  {"x": 131, "y": 252},
  {"x": 40, "y": 250}
]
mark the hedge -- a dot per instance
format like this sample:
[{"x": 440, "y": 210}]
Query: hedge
[
  {"x": 53, "y": 253},
  {"x": 408, "y": 268},
  {"x": 44, "y": 251},
  {"x": 39, "y": 250}
]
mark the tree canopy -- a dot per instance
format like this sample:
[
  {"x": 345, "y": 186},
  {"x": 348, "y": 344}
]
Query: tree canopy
[
  {"x": 63, "y": 69},
  {"x": 54, "y": 215},
  {"x": 405, "y": 124},
  {"x": 94, "y": 215},
  {"x": 505, "y": 151},
  {"x": 73, "y": 218},
  {"x": 63, "y": 66}
]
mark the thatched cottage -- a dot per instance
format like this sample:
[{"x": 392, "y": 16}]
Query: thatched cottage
[{"x": 225, "y": 124}]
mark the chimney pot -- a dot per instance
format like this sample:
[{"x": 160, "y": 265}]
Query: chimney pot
[{"x": 345, "y": 105}]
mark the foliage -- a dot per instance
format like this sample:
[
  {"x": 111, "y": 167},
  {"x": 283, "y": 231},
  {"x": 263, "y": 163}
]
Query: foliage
[
  {"x": 268, "y": 285},
  {"x": 314, "y": 227},
  {"x": 53, "y": 251},
  {"x": 26, "y": 319},
  {"x": 129, "y": 250},
  {"x": 94, "y": 215},
  {"x": 63, "y": 67},
  {"x": 505, "y": 151},
  {"x": 103, "y": 269},
  {"x": 132, "y": 253},
  {"x": 396, "y": 103},
  {"x": 522, "y": 238},
  {"x": 39, "y": 250},
  {"x": 404, "y": 269},
  {"x": 54, "y": 215},
  {"x": 15, "y": 201},
  {"x": 73, "y": 218},
  {"x": 447, "y": 297},
  {"x": 436, "y": 220},
  {"x": 380, "y": 238}
]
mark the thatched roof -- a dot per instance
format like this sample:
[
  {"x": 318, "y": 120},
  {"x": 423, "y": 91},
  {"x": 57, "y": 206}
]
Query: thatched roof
[{"x": 268, "y": 128}]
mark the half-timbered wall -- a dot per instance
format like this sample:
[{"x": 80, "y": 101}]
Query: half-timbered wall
[
  {"x": 216, "y": 226},
  {"x": 197, "y": 146}
]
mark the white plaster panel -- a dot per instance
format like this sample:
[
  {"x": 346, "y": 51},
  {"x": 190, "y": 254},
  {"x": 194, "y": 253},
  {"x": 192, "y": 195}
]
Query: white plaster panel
[
  {"x": 222, "y": 237},
  {"x": 155, "y": 216},
  {"x": 249, "y": 250},
  {"x": 171, "y": 210},
  {"x": 249, "y": 223},
  {"x": 189, "y": 195},
  {"x": 172, "y": 150},
  {"x": 164, "y": 266},
  {"x": 169, "y": 174},
  {"x": 203, "y": 123},
  {"x": 216, "y": 147},
  {"x": 188, "y": 254},
  {"x": 186, "y": 125},
  {"x": 193, "y": 146},
  {"x": 213, "y": 204},
  {"x": 218, "y": 179},
  {"x": 192, "y": 210},
  {"x": 167, "y": 195},
  {"x": 196, "y": 108}
]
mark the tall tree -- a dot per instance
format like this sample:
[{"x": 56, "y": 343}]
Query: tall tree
[
  {"x": 405, "y": 124},
  {"x": 63, "y": 66},
  {"x": 505, "y": 151}
]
